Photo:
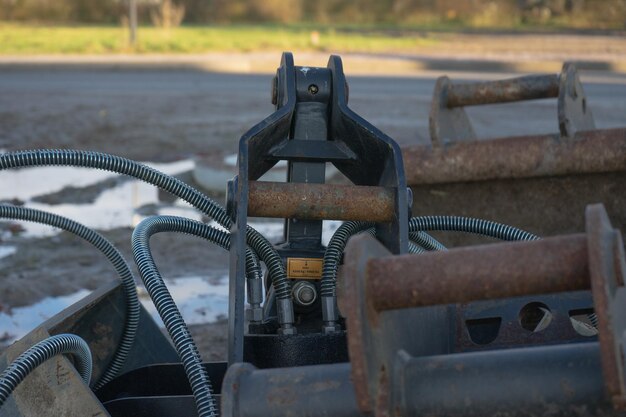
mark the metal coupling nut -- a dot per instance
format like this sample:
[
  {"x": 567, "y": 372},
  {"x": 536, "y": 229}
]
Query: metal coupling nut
[
  {"x": 254, "y": 314},
  {"x": 304, "y": 293}
]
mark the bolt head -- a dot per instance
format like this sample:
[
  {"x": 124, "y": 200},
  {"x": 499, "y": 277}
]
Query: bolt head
[
  {"x": 304, "y": 293},
  {"x": 307, "y": 295}
]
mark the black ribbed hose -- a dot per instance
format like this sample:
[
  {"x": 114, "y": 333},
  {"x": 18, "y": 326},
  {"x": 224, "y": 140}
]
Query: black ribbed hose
[
  {"x": 114, "y": 256},
  {"x": 334, "y": 252},
  {"x": 417, "y": 227},
  {"x": 469, "y": 225},
  {"x": 165, "y": 305},
  {"x": 477, "y": 226},
  {"x": 107, "y": 162},
  {"x": 414, "y": 248},
  {"x": 426, "y": 241},
  {"x": 332, "y": 257},
  {"x": 24, "y": 364},
  {"x": 335, "y": 248}
]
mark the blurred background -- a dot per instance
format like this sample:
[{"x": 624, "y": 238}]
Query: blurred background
[
  {"x": 420, "y": 14},
  {"x": 184, "y": 26},
  {"x": 175, "y": 83}
]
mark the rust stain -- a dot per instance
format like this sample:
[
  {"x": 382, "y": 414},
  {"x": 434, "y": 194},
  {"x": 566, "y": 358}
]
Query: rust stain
[
  {"x": 62, "y": 374},
  {"x": 281, "y": 396},
  {"x": 325, "y": 386},
  {"x": 321, "y": 201},
  {"x": 596, "y": 151},
  {"x": 482, "y": 272},
  {"x": 531, "y": 87}
]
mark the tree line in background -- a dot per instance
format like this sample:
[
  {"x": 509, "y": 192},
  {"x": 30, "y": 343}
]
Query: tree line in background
[{"x": 478, "y": 13}]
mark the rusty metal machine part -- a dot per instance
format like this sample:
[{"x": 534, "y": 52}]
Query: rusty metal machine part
[
  {"x": 448, "y": 121},
  {"x": 321, "y": 201},
  {"x": 314, "y": 391},
  {"x": 530, "y": 87},
  {"x": 388, "y": 363},
  {"x": 481, "y": 331},
  {"x": 405, "y": 361},
  {"x": 592, "y": 152},
  {"x": 312, "y": 126},
  {"x": 558, "y": 174},
  {"x": 559, "y": 265}
]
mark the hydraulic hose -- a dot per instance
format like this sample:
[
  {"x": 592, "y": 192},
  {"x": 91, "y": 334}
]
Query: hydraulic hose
[
  {"x": 476, "y": 226},
  {"x": 469, "y": 225},
  {"x": 24, "y": 364},
  {"x": 415, "y": 248},
  {"x": 114, "y": 256},
  {"x": 332, "y": 257},
  {"x": 335, "y": 248},
  {"x": 338, "y": 242},
  {"x": 417, "y": 226},
  {"x": 165, "y": 305},
  {"x": 113, "y": 163},
  {"x": 334, "y": 252},
  {"x": 426, "y": 241},
  {"x": 419, "y": 241}
]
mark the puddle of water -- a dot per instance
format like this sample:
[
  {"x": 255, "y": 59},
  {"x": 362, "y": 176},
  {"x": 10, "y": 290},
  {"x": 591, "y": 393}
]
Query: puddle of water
[
  {"x": 198, "y": 300},
  {"x": 27, "y": 183},
  {"x": 22, "y": 320},
  {"x": 329, "y": 227},
  {"x": 114, "y": 207},
  {"x": 6, "y": 251}
]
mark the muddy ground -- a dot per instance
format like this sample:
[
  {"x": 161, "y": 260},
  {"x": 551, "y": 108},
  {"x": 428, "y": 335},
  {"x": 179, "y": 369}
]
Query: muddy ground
[
  {"x": 167, "y": 116},
  {"x": 63, "y": 264}
]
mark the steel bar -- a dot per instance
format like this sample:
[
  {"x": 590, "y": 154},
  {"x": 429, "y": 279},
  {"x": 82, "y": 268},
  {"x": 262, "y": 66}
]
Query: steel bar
[
  {"x": 557, "y": 264},
  {"x": 448, "y": 121},
  {"x": 321, "y": 390},
  {"x": 597, "y": 151},
  {"x": 530, "y": 87},
  {"x": 562, "y": 380},
  {"x": 606, "y": 269},
  {"x": 320, "y": 201}
]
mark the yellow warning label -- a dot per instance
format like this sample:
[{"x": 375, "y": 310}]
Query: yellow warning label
[{"x": 309, "y": 268}]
